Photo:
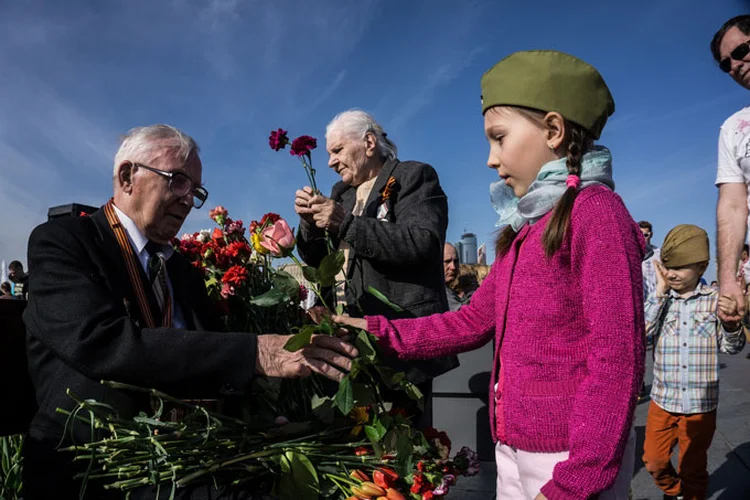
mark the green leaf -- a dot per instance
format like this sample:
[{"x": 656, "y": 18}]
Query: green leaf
[
  {"x": 412, "y": 391},
  {"x": 325, "y": 326},
  {"x": 272, "y": 297},
  {"x": 382, "y": 298},
  {"x": 299, "y": 340},
  {"x": 356, "y": 368},
  {"x": 344, "y": 399},
  {"x": 339, "y": 309},
  {"x": 365, "y": 347},
  {"x": 375, "y": 432},
  {"x": 310, "y": 274},
  {"x": 299, "y": 480},
  {"x": 404, "y": 451},
  {"x": 329, "y": 267},
  {"x": 286, "y": 283},
  {"x": 387, "y": 374}
]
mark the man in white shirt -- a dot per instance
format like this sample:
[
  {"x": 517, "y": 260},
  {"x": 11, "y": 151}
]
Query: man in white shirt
[{"x": 731, "y": 49}]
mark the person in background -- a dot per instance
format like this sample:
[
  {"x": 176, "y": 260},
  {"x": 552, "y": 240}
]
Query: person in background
[
  {"x": 685, "y": 391},
  {"x": 450, "y": 273},
  {"x": 730, "y": 48},
  {"x": 5, "y": 292},
  {"x": 19, "y": 278},
  {"x": 649, "y": 260}
]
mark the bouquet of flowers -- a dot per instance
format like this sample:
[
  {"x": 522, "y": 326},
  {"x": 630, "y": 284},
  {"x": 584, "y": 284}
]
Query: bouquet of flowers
[{"x": 297, "y": 439}]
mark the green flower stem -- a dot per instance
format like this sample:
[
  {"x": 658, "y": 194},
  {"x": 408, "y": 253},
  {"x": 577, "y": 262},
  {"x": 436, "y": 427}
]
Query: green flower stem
[
  {"x": 167, "y": 397},
  {"x": 213, "y": 467}
]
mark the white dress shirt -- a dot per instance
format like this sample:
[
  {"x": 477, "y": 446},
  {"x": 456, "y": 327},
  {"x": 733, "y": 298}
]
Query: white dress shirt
[{"x": 138, "y": 241}]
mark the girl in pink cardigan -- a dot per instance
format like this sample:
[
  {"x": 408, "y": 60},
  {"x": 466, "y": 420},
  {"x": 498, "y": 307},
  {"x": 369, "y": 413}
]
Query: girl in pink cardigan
[{"x": 564, "y": 299}]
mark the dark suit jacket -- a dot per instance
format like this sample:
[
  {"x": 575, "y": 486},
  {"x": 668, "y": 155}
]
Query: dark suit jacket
[
  {"x": 401, "y": 256},
  {"x": 83, "y": 325}
]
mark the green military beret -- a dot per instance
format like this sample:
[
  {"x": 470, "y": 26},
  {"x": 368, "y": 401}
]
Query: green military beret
[
  {"x": 548, "y": 80},
  {"x": 684, "y": 245}
]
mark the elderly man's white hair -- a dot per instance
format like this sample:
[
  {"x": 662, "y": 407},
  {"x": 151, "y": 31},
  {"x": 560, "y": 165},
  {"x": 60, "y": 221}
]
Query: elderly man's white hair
[
  {"x": 357, "y": 123},
  {"x": 140, "y": 144}
]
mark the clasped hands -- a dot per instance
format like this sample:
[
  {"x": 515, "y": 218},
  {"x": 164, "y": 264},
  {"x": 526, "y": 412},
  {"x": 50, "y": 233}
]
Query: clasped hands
[
  {"x": 318, "y": 209},
  {"x": 330, "y": 356}
]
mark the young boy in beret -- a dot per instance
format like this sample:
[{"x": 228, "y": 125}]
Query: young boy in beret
[{"x": 681, "y": 315}]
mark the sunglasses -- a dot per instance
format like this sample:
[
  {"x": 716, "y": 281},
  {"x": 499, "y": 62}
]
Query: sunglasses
[{"x": 738, "y": 54}]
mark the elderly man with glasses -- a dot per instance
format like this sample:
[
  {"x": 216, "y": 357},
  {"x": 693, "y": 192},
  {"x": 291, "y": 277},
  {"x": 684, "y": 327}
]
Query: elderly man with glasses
[
  {"x": 731, "y": 49},
  {"x": 109, "y": 299}
]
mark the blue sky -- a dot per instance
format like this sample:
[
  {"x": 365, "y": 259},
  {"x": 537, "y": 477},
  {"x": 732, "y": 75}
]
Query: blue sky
[{"x": 74, "y": 75}]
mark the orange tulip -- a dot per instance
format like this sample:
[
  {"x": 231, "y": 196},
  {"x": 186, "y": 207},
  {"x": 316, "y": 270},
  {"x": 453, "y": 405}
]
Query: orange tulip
[
  {"x": 360, "y": 475},
  {"x": 360, "y": 494},
  {"x": 372, "y": 489},
  {"x": 394, "y": 494},
  {"x": 385, "y": 478}
]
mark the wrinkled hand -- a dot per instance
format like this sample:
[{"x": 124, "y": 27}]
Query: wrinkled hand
[
  {"x": 540, "y": 496},
  {"x": 326, "y": 355},
  {"x": 662, "y": 285},
  {"x": 360, "y": 323},
  {"x": 302, "y": 200},
  {"x": 732, "y": 292},
  {"x": 327, "y": 214}
]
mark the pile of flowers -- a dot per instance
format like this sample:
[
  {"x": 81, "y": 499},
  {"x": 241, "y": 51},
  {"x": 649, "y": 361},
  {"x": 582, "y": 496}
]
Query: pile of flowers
[{"x": 297, "y": 439}]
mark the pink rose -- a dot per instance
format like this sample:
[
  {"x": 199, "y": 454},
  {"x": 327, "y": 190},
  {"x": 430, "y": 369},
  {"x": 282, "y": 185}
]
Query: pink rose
[{"x": 278, "y": 238}]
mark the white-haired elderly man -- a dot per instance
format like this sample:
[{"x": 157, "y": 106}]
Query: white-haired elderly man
[
  {"x": 390, "y": 218},
  {"x": 94, "y": 313}
]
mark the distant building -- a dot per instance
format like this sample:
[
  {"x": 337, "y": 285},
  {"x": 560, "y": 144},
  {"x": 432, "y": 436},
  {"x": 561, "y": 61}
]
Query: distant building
[{"x": 467, "y": 248}]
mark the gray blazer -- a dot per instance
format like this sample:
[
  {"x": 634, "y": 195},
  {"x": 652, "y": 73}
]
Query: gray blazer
[{"x": 396, "y": 247}]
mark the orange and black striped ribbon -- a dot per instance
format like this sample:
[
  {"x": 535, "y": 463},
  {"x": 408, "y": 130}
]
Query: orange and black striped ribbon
[{"x": 132, "y": 263}]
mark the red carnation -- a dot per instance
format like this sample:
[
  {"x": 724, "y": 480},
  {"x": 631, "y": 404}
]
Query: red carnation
[
  {"x": 269, "y": 218},
  {"x": 235, "y": 276},
  {"x": 236, "y": 248},
  {"x": 302, "y": 145},
  {"x": 234, "y": 227},
  {"x": 278, "y": 139}
]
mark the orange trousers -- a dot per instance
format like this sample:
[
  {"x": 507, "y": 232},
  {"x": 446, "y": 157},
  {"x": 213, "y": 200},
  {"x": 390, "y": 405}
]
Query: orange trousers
[{"x": 694, "y": 434}]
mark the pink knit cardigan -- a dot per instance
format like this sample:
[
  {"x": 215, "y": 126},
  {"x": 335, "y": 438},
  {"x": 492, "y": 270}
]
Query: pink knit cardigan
[{"x": 569, "y": 331}]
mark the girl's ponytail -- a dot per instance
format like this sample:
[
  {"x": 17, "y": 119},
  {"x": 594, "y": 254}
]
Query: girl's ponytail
[{"x": 578, "y": 143}]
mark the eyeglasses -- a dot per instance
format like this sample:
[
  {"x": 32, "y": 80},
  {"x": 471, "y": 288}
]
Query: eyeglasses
[
  {"x": 180, "y": 184},
  {"x": 738, "y": 54}
]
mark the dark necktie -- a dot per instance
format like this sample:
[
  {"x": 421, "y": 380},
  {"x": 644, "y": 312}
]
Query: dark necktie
[{"x": 157, "y": 276}]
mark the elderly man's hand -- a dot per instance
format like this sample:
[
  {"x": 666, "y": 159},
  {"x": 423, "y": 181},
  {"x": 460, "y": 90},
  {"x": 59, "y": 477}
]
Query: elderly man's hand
[
  {"x": 326, "y": 355},
  {"x": 302, "y": 200},
  {"x": 327, "y": 213}
]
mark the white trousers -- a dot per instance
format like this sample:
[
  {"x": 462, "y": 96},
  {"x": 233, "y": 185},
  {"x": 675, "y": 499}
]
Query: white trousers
[{"x": 521, "y": 474}]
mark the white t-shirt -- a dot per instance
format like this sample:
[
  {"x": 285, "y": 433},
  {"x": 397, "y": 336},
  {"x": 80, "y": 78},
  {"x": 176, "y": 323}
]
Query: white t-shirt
[{"x": 734, "y": 151}]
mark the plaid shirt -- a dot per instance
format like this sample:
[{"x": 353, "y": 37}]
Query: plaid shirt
[{"x": 686, "y": 355}]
